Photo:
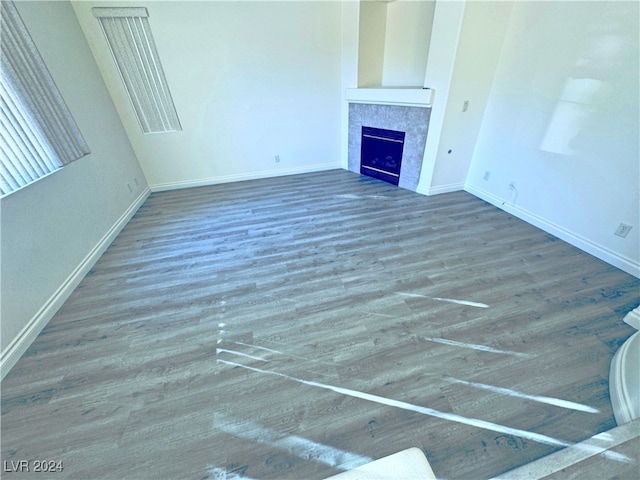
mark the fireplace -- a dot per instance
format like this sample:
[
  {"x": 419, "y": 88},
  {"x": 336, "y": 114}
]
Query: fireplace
[
  {"x": 410, "y": 119},
  {"x": 381, "y": 154}
]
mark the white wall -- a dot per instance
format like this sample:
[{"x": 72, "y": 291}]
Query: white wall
[
  {"x": 447, "y": 25},
  {"x": 250, "y": 80},
  {"x": 371, "y": 41},
  {"x": 50, "y": 228},
  {"x": 482, "y": 32},
  {"x": 350, "y": 26},
  {"x": 407, "y": 37},
  {"x": 584, "y": 180}
]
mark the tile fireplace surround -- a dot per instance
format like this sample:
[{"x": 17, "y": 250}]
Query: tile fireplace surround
[{"x": 380, "y": 111}]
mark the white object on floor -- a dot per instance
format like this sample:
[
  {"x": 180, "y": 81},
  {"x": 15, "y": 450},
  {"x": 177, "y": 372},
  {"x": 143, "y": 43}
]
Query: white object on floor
[
  {"x": 624, "y": 381},
  {"x": 409, "y": 464},
  {"x": 633, "y": 318},
  {"x": 624, "y": 378}
]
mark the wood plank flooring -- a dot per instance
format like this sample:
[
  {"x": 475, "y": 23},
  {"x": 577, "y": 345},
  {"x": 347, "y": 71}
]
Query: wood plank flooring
[{"x": 290, "y": 328}]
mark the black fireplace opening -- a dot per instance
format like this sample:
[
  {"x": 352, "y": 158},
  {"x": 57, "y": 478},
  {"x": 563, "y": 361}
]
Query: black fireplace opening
[{"x": 381, "y": 154}]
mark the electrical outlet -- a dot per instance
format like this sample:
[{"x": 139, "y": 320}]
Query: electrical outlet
[
  {"x": 623, "y": 230},
  {"x": 277, "y": 158},
  {"x": 487, "y": 174}
]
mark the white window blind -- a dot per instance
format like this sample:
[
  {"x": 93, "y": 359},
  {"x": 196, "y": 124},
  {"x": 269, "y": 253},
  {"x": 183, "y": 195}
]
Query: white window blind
[
  {"x": 37, "y": 132},
  {"x": 129, "y": 37}
]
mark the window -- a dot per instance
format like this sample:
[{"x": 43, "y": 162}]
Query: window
[
  {"x": 37, "y": 132},
  {"x": 129, "y": 37}
]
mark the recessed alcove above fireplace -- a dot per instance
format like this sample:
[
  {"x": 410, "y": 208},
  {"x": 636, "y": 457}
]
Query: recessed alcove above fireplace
[{"x": 410, "y": 119}]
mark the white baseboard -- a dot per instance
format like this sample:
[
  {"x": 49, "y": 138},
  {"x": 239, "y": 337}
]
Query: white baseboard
[
  {"x": 202, "y": 182},
  {"x": 28, "y": 334},
  {"x": 452, "y": 187},
  {"x": 422, "y": 190},
  {"x": 623, "y": 263}
]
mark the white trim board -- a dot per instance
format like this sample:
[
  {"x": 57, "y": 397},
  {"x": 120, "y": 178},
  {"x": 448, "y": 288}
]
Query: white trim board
[
  {"x": 203, "y": 182},
  {"x": 437, "y": 190},
  {"x": 405, "y": 96},
  {"x": 599, "y": 444},
  {"x": 612, "y": 258},
  {"x": 28, "y": 334}
]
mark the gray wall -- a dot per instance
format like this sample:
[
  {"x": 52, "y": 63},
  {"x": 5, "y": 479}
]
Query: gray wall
[{"x": 49, "y": 227}]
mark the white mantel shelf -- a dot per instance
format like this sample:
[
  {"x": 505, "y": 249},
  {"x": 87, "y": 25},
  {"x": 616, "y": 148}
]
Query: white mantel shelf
[{"x": 407, "y": 96}]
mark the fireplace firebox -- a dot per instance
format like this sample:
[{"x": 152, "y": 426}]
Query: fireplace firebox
[{"x": 381, "y": 154}]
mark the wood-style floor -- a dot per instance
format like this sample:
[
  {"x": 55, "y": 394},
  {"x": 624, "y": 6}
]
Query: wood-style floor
[{"x": 290, "y": 328}]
